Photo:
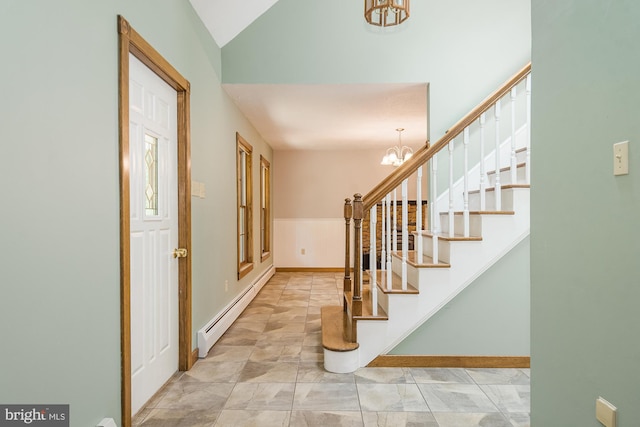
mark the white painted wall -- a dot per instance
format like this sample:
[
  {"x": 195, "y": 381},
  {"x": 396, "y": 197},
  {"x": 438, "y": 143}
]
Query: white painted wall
[
  {"x": 309, "y": 242},
  {"x": 314, "y": 184}
]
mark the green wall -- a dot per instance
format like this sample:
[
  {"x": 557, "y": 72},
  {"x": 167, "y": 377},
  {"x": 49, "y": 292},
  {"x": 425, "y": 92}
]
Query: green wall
[
  {"x": 489, "y": 318},
  {"x": 464, "y": 49},
  {"x": 59, "y": 261},
  {"x": 585, "y": 238}
]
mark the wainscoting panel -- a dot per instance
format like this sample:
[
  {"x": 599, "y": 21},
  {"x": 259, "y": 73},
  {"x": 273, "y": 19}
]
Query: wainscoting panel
[{"x": 309, "y": 242}]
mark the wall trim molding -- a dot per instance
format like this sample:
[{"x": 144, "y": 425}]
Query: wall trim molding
[
  {"x": 309, "y": 269},
  {"x": 419, "y": 361}
]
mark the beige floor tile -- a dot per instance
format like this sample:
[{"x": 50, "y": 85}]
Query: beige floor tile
[
  {"x": 240, "y": 418},
  {"x": 399, "y": 419},
  {"x": 326, "y": 396},
  {"x": 180, "y": 418},
  {"x": 391, "y": 398},
  {"x": 267, "y": 370},
  {"x": 261, "y": 396},
  {"x": 326, "y": 418}
]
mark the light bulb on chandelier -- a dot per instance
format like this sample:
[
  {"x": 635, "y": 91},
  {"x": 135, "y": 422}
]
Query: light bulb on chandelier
[{"x": 397, "y": 154}]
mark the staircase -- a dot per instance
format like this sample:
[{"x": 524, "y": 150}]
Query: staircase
[{"x": 481, "y": 213}]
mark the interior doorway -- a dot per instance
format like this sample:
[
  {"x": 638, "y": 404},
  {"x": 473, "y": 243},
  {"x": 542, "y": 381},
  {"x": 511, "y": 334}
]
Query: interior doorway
[{"x": 131, "y": 43}]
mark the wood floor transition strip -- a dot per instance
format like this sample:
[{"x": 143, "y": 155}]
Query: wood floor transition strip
[
  {"x": 309, "y": 269},
  {"x": 409, "y": 361}
]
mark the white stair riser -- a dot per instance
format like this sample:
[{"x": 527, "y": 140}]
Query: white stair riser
[
  {"x": 341, "y": 362},
  {"x": 396, "y": 267},
  {"x": 475, "y": 224},
  {"x": 505, "y": 177},
  {"x": 458, "y": 201},
  {"x": 521, "y": 156},
  {"x": 443, "y": 248},
  {"x": 512, "y": 200},
  {"x": 383, "y": 299}
]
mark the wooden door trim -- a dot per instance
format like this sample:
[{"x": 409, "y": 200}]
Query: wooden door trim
[{"x": 131, "y": 42}]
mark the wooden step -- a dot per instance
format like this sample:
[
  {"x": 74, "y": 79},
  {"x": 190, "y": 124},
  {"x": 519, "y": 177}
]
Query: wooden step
[
  {"x": 503, "y": 187},
  {"x": 396, "y": 284},
  {"x": 455, "y": 238},
  {"x": 367, "y": 312},
  {"x": 506, "y": 168},
  {"x": 333, "y": 324},
  {"x": 481, "y": 213},
  {"x": 427, "y": 261}
]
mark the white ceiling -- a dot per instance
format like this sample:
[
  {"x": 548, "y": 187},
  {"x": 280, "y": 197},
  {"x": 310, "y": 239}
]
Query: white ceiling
[
  {"x": 334, "y": 117},
  {"x": 317, "y": 117}
]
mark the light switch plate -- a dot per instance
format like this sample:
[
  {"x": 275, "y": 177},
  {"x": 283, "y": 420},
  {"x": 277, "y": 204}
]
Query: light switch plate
[
  {"x": 621, "y": 158},
  {"x": 195, "y": 188},
  {"x": 203, "y": 191},
  {"x": 605, "y": 412}
]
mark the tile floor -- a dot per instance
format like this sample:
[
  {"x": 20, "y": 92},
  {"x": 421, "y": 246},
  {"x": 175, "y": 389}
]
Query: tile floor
[{"x": 267, "y": 370}]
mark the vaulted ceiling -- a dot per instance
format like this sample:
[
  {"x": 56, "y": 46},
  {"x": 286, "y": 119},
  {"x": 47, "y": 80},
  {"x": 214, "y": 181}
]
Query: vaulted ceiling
[{"x": 318, "y": 117}]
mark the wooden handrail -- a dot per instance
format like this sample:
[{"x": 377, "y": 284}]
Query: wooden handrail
[{"x": 421, "y": 156}]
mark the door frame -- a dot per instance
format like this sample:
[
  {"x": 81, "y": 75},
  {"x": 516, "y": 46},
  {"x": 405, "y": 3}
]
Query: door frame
[{"x": 131, "y": 42}]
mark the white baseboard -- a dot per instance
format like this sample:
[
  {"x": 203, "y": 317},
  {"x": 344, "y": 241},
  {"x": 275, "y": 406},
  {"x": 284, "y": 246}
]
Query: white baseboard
[{"x": 216, "y": 327}]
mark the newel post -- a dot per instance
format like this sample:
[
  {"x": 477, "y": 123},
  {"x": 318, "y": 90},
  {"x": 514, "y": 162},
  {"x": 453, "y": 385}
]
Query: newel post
[
  {"x": 358, "y": 214},
  {"x": 348, "y": 213}
]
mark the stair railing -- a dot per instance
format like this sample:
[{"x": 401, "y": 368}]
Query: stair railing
[{"x": 384, "y": 195}]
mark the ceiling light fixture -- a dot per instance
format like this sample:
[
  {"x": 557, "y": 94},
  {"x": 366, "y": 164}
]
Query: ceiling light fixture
[
  {"x": 398, "y": 154},
  {"x": 386, "y": 13}
]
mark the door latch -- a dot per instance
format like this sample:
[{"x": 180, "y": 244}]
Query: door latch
[{"x": 180, "y": 253}]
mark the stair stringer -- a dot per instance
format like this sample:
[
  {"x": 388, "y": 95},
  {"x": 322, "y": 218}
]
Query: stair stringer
[{"x": 438, "y": 286}]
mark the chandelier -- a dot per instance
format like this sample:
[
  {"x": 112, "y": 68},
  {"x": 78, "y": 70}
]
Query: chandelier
[
  {"x": 386, "y": 13},
  {"x": 397, "y": 154}
]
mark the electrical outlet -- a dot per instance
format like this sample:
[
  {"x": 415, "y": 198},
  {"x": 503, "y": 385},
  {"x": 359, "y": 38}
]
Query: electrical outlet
[
  {"x": 226, "y": 286},
  {"x": 605, "y": 412}
]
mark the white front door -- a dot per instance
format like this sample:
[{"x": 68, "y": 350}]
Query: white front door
[{"x": 154, "y": 232}]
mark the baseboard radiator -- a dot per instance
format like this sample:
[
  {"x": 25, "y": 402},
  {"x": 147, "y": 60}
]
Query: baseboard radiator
[{"x": 213, "y": 330}]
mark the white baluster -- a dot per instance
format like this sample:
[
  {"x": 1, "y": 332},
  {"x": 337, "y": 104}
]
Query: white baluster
[
  {"x": 405, "y": 232},
  {"x": 388, "y": 237},
  {"x": 451, "y": 188},
  {"x": 498, "y": 187},
  {"x": 465, "y": 195},
  {"x": 528, "y": 160},
  {"x": 514, "y": 161},
  {"x": 383, "y": 239},
  {"x": 373, "y": 224},
  {"x": 395, "y": 221},
  {"x": 418, "y": 236},
  {"x": 435, "y": 214},
  {"x": 483, "y": 168},
  {"x": 373, "y": 281}
]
